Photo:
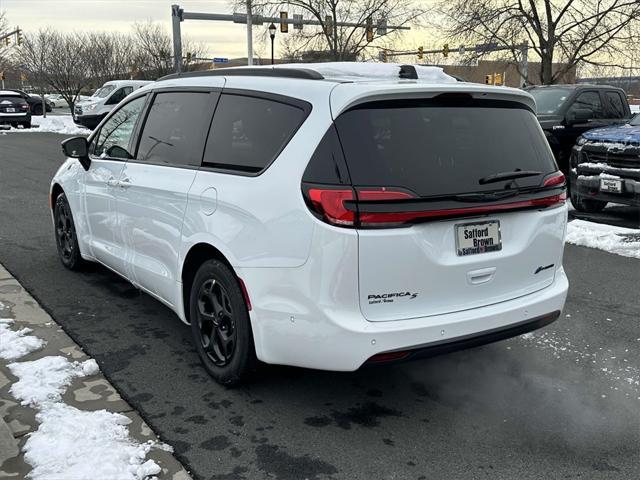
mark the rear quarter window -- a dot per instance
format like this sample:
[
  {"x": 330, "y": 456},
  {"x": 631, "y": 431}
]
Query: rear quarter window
[
  {"x": 248, "y": 133},
  {"x": 442, "y": 148}
]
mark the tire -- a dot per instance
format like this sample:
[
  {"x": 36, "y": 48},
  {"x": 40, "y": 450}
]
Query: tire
[
  {"x": 65, "y": 233},
  {"x": 220, "y": 324},
  {"x": 586, "y": 205},
  {"x": 37, "y": 109},
  {"x": 26, "y": 125}
]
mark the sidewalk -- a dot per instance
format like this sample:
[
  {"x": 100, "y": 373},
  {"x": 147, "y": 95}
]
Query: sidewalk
[{"x": 70, "y": 447}]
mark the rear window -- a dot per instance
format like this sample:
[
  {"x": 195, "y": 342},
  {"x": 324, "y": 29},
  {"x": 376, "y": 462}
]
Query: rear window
[
  {"x": 10, "y": 100},
  {"x": 438, "y": 148}
]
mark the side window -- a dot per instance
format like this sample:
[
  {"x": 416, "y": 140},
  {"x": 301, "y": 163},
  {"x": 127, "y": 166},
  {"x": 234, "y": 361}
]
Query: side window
[
  {"x": 114, "y": 137},
  {"x": 614, "y": 104},
  {"x": 176, "y": 128},
  {"x": 119, "y": 95},
  {"x": 248, "y": 133},
  {"x": 588, "y": 101}
]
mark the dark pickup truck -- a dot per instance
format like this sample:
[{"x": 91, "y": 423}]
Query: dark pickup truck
[
  {"x": 605, "y": 167},
  {"x": 567, "y": 111}
]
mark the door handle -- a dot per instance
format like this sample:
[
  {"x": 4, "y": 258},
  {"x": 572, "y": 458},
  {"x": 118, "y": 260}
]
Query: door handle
[
  {"x": 112, "y": 182},
  {"x": 125, "y": 182}
]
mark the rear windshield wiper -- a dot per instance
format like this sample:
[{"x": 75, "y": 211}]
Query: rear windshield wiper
[{"x": 498, "y": 177}]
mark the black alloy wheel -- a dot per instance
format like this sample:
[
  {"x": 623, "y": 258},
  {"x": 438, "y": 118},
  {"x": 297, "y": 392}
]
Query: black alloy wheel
[
  {"x": 65, "y": 232},
  {"x": 220, "y": 324},
  {"x": 216, "y": 324}
]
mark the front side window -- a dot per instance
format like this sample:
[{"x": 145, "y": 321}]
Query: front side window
[
  {"x": 114, "y": 138},
  {"x": 588, "y": 101},
  {"x": 176, "y": 128},
  {"x": 248, "y": 133},
  {"x": 119, "y": 95},
  {"x": 615, "y": 106}
]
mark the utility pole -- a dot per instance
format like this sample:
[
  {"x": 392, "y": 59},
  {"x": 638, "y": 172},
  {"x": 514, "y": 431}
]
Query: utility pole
[
  {"x": 524, "y": 63},
  {"x": 176, "y": 18},
  {"x": 249, "y": 34}
]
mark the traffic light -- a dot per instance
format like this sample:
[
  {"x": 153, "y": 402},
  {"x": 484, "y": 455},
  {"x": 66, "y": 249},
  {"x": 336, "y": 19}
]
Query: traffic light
[
  {"x": 328, "y": 25},
  {"x": 7, "y": 41},
  {"x": 369, "y": 29},
  {"x": 284, "y": 26},
  {"x": 19, "y": 38},
  {"x": 2, "y": 76},
  {"x": 188, "y": 57},
  {"x": 488, "y": 79},
  {"x": 420, "y": 53},
  {"x": 445, "y": 50},
  {"x": 382, "y": 56},
  {"x": 497, "y": 79}
]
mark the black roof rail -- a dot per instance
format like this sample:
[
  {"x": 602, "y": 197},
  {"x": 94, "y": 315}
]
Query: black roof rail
[{"x": 301, "y": 73}]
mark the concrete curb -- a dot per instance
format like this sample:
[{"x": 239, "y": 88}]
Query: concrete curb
[{"x": 87, "y": 393}]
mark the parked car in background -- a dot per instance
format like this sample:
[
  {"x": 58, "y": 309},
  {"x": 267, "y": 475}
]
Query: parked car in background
[
  {"x": 14, "y": 109},
  {"x": 605, "y": 167},
  {"x": 34, "y": 101},
  {"x": 324, "y": 216},
  {"x": 89, "y": 113},
  {"x": 57, "y": 100},
  {"x": 567, "y": 111}
]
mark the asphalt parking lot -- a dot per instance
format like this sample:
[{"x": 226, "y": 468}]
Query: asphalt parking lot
[{"x": 561, "y": 403}]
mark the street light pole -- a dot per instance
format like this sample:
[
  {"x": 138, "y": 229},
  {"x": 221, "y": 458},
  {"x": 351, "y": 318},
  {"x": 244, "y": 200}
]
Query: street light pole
[{"x": 272, "y": 34}]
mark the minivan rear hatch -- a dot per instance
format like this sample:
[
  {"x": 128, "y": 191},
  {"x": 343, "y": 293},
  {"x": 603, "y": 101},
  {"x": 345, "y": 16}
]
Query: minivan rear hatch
[{"x": 455, "y": 203}]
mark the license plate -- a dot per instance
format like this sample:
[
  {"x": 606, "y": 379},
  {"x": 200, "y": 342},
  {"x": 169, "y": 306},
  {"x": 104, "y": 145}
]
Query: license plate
[
  {"x": 10, "y": 110},
  {"x": 472, "y": 238},
  {"x": 610, "y": 185}
]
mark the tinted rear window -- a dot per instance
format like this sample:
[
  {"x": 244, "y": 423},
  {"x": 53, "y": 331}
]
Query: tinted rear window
[
  {"x": 433, "y": 148},
  {"x": 248, "y": 133},
  {"x": 10, "y": 100}
]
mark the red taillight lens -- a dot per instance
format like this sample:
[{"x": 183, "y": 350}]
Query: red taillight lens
[
  {"x": 554, "y": 180},
  {"x": 330, "y": 204},
  {"x": 24, "y": 106}
]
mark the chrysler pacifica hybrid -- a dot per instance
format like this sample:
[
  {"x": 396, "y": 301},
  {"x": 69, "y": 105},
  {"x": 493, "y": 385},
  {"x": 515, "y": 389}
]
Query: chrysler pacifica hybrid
[{"x": 322, "y": 216}]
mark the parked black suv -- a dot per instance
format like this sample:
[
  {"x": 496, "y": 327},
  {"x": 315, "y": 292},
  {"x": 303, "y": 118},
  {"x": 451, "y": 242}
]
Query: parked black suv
[
  {"x": 567, "y": 111},
  {"x": 35, "y": 102}
]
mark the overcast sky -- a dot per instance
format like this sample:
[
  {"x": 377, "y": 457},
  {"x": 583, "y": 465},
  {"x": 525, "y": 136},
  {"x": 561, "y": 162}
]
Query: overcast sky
[{"x": 222, "y": 39}]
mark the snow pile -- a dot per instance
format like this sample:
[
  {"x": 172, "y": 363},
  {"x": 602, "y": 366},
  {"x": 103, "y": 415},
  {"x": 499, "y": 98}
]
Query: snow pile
[
  {"x": 92, "y": 445},
  {"x": 618, "y": 240},
  {"x": 46, "y": 379},
  {"x": 15, "y": 344},
  {"x": 52, "y": 124},
  {"x": 72, "y": 443}
]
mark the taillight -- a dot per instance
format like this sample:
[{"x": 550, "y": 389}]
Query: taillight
[
  {"x": 556, "y": 179},
  {"x": 24, "y": 106},
  {"x": 330, "y": 204}
]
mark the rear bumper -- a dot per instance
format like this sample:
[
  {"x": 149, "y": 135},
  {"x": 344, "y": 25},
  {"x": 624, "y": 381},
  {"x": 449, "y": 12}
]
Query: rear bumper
[
  {"x": 13, "y": 119},
  {"x": 340, "y": 342}
]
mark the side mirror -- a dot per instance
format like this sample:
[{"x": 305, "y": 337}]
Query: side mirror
[
  {"x": 579, "y": 115},
  {"x": 77, "y": 147}
]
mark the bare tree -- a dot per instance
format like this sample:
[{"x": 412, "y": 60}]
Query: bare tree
[
  {"x": 110, "y": 56},
  {"x": 329, "y": 41},
  {"x": 572, "y": 32},
  {"x": 153, "y": 52},
  {"x": 4, "y": 51},
  {"x": 57, "y": 60}
]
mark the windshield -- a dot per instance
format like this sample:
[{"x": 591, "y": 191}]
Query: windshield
[
  {"x": 434, "y": 149},
  {"x": 549, "y": 100},
  {"x": 104, "y": 91}
]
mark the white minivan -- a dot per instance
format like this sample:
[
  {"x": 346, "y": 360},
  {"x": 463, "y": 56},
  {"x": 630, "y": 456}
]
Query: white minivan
[
  {"x": 89, "y": 113},
  {"x": 324, "y": 216}
]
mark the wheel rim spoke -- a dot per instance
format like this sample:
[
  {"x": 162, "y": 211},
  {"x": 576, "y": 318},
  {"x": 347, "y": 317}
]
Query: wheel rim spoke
[{"x": 216, "y": 322}]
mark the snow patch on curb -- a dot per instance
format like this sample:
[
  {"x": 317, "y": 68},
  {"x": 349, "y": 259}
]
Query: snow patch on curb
[
  {"x": 17, "y": 343},
  {"x": 618, "y": 240},
  {"x": 70, "y": 443}
]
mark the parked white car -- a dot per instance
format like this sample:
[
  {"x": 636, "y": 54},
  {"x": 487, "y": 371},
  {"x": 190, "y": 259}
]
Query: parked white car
[
  {"x": 323, "y": 216},
  {"x": 90, "y": 112}
]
